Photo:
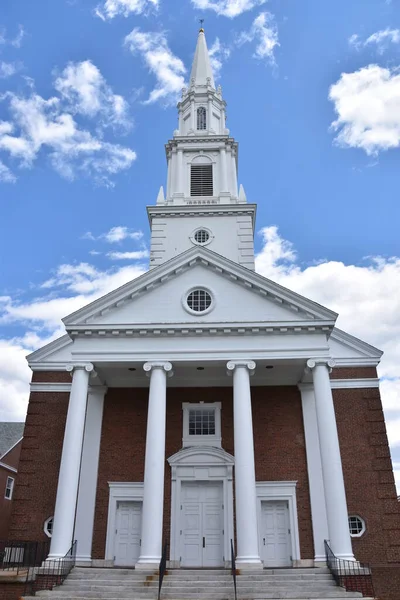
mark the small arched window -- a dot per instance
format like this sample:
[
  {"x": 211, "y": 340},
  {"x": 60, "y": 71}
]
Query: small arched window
[{"x": 201, "y": 118}]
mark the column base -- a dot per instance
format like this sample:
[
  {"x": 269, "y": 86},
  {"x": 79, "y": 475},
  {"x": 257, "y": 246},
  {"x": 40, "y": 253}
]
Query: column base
[
  {"x": 346, "y": 557},
  {"x": 148, "y": 563},
  {"x": 249, "y": 563}
]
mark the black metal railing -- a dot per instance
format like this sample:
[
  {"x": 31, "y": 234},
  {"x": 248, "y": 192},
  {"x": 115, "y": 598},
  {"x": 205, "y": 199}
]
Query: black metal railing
[
  {"x": 233, "y": 569},
  {"x": 352, "y": 575},
  {"x": 162, "y": 569},
  {"x": 50, "y": 573},
  {"x": 17, "y": 557}
]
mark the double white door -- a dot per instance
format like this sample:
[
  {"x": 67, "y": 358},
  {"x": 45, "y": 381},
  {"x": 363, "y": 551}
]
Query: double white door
[
  {"x": 202, "y": 532},
  {"x": 275, "y": 534},
  {"x": 127, "y": 534}
]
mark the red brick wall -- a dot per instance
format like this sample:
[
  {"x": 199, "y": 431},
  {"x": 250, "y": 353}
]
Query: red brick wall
[
  {"x": 12, "y": 591},
  {"x": 370, "y": 487},
  {"x": 35, "y": 492},
  {"x": 278, "y": 457},
  {"x": 280, "y": 449}
]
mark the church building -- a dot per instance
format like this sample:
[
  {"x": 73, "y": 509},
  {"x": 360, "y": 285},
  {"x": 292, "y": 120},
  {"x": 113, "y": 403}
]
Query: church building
[{"x": 201, "y": 402}]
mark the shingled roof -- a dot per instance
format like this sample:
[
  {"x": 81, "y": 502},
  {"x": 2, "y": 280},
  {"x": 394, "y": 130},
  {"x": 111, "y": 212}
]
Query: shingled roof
[{"x": 10, "y": 433}]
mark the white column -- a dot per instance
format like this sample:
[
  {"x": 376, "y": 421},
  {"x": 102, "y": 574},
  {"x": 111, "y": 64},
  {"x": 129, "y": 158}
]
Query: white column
[
  {"x": 194, "y": 124},
  {"x": 85, "y": 509},
  {"x": 335, "y": 495},
  {"x": 209, "y": 116},
  {"x": 224, "y": 182},
  {"x": 314, "y": 468},
  {"x": 179, "y": 172},
  {"x": 245, "y": 478},
  {"x": 68, "y": 478},
  {"x": 169, "y": 177},
  {"x": 153, "y": 493},
  {"x": 180, "y": 121}
]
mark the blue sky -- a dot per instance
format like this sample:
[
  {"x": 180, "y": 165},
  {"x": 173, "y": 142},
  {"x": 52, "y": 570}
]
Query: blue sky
[{"x": 88, "y": 90}]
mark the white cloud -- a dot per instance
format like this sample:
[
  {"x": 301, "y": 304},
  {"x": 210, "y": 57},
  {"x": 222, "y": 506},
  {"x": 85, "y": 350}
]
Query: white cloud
[
  {"x": 367, "y": 103},
  {"x": 264, "y": 32},
  {"x": 359, "y": 293},
  {"x": 6, "y": 176},
  {"x": 168, "y": 69},
  {"x": 8, "y": 69},
  {"x": 135, "y": 255},
  {"x": 218, "y": 55},
  {"x": 85, "y": 90},
  {"x": 381, "y": 39},
  {"x": 115, "y": 234},
  {"x": 48, "y": 125},
  {"x": 227, "y": 8},
  {"x": 17, "y": 41},
  {"x": 113, "y": 8}
]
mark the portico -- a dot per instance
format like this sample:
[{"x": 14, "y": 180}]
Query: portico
[{"x": 244, "y": 522}]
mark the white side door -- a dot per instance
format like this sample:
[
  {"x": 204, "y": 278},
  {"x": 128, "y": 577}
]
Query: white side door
[
  {"x": 275, "y": 534},
  {"x": 201, "y": 524},
  {"x": 127, "y": 535}
]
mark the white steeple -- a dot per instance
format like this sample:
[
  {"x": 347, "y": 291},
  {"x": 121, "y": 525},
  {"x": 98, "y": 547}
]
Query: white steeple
[
  {"x": 201, "y": 69},
  {"x": 202, "y": 173}
]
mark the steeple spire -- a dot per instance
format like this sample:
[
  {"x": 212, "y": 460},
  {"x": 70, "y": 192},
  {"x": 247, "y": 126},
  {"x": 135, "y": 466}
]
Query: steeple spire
[{"x": 202, "y": 74}]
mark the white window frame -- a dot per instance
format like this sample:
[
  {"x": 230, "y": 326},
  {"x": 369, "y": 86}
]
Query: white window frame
[
  {"x": 201, "y": 440},
  {"x": 195, "y": 242},
  {"x": 9, "y": 488},
  {"x": 195, "y": 312},
  {"x": 363, "y": 530},
  {"x": 46, "y": 526}
]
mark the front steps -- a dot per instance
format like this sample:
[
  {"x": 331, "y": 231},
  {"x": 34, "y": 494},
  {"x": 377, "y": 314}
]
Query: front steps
[{"x": 185, "y": 584}]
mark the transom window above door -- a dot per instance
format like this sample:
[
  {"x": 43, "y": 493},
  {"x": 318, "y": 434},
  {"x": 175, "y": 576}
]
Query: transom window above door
[{"x": 201, "y": 424}]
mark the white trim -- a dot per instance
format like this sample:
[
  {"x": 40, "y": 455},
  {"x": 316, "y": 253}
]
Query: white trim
[
  {"x": 50, "y": 387},
  {"x": 119, "y": 491},
  {"x": 201, "y": 440},
  {"x": 86, "y": 501},
  {"x": 356, "y": 344},
  {"x": 338, "y": 384},
  {"x": 195, "y": 288},
  {"x": 200, "y": 228},
  {"x": 314, "y": 470},
  {"x": 286, "y": 491},
  {"x": 211, "y": 260},
  {"x": 45, "y": 525},
  {"x": 4, "y": 466},
  {"x": 12, "y": 447},
  {"x": 357, "y": 362},
  {"x": 200, "y": 464},
  {"x": 11, "y": 488},
  {"x": 364, "y": 527}
]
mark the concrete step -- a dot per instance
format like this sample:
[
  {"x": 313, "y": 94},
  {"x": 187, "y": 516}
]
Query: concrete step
[
  {"x": 344, "y": 596},
  {"x": 216, "y": 594}
]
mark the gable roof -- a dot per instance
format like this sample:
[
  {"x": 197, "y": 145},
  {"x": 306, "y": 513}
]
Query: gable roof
[
  {"x": 296, "y": 304},
  {"x": 10, "y": 434}
]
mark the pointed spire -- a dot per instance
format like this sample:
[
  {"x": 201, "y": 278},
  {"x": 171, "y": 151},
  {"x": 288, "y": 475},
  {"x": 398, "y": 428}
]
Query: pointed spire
[
  {"x": 242, "y": 194},
  {"x": 201, "y": 68},
  {"x": 161, "y": 197}
]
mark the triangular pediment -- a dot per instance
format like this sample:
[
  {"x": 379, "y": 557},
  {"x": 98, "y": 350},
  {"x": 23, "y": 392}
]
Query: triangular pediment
[{"x": 239, "y": 296}]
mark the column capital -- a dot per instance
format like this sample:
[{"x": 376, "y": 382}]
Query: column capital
[
  {"x": 159, "y": 364},
  {"x": 247, "y": 364},
  {"x": 315, "y": 362},
  {"x": 88, "y": 367}
]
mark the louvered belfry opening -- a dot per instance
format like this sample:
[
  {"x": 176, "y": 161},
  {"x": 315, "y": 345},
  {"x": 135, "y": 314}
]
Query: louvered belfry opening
[{"x": 201, "y": 183}]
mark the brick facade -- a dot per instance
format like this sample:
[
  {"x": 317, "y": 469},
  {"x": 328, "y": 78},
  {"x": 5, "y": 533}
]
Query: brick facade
[
  {"x": 11, "y": 459},
  {"x": 279, "y": 451}
]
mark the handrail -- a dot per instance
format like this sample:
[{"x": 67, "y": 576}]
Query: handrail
[
  {"x": 50, "y": 573},
  {"x": 350, "y": 574},
  {"x": 233, "y": 568},
  {"x": 162, "y": 569},
  {"x": 16, "y": 556}
]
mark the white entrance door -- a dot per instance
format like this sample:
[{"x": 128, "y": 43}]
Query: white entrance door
[
  {"x": 127, "y": 535},
  {"x": 201, "y": 529},
  {"x": 275, "y": 534}
]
